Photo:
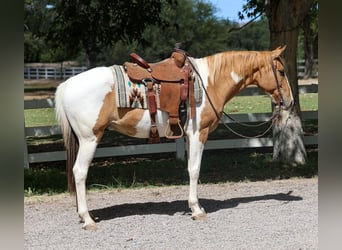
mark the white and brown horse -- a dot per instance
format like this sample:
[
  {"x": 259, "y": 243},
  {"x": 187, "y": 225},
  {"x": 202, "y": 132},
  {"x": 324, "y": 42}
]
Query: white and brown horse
[{"x": 86, "y": 105}]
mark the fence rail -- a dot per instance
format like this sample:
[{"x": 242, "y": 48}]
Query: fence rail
[
  {"x": 301, "y": 68},
  {"x": 177, "y": 146},
  {"x": 49, "y": 72}
]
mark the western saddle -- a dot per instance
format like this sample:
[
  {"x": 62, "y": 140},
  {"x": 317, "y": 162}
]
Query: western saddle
[{"x": 176, "y": 80}]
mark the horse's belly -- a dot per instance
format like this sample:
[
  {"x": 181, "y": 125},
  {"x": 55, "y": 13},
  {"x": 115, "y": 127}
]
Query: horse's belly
[{"x": 137, "y": 123}]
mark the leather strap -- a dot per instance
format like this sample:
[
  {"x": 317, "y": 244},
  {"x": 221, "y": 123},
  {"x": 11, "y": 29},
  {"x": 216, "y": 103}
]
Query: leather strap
[
  {"x": 185, "y": 86},
  {"x": 188, "y": 89},
  {"x": 152, "y": 107},
  {"x": 140, "y": 61},
  {"x": 192, "y": 95}
]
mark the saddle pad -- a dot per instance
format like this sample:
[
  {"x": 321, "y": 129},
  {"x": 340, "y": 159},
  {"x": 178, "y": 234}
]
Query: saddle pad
[
  {"x": 134, "y": 95},
  {"x": 128, "y": 94}
]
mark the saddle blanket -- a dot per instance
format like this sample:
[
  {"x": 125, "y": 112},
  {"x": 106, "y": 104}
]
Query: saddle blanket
[{"x": 134, "y": 95}]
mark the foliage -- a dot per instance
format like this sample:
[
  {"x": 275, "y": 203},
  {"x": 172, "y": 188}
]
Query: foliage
[
  {"x": 255, "y": 36},
  {"x": 194, "y": 25},
  {"x": 255, "y": 8},
  {"x": 252, "y": 9},
  {"x": 37, "y": 19},
  {"x": 92, "y": 24},
  {"x": 107, "y": 31},
  {"x": 32, "y": 47}
]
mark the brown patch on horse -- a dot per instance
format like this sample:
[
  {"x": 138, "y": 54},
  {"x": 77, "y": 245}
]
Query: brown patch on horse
[
  {"x": 209, "y": 119},
  {"x": 127, "y": 124},
  {"x": 203, "y": 135},
  {"x": 107, "y": 113}
]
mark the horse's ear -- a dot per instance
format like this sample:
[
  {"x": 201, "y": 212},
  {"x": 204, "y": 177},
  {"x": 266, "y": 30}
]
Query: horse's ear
[{"x": 278, "y": 51}]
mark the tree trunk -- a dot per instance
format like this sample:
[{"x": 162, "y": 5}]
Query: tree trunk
[
  {"x": 284, "y": 18},
  {"x": 308, "y": 47}
]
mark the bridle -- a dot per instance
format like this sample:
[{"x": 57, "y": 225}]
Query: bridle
[
  {"x": 281, "y": 102},
  {"x": 271, "y": 120}
]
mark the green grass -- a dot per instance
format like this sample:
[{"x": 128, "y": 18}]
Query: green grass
[
  {"x": 308, "y": 102},
  {"x": 248, "y": 104},
  {"x": 239, "y": 104},
  {"x": 262, "y": 104},
  {"x": 40, "y": 117}
]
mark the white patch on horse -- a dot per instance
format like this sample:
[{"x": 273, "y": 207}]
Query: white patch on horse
[{"x": 236, "y": 78}]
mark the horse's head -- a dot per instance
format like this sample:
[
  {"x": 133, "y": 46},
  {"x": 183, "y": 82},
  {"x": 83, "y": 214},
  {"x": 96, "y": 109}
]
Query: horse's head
[{"x": 274, "y": 81}]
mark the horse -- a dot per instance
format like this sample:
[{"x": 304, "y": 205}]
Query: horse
[{"x": 86, "y": 106}]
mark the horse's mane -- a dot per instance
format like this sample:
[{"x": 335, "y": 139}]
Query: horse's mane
[{"x": 243, "y": 63}]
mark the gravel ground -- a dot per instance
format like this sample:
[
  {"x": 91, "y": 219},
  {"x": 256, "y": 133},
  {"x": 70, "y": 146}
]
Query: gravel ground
[{"x": 250, "y": 215}]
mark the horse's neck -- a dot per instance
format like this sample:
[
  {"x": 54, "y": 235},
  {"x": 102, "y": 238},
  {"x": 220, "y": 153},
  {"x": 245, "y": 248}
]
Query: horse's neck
[
  {"x": 218, "y": 81},
  {"x": 223, "y": 80}
]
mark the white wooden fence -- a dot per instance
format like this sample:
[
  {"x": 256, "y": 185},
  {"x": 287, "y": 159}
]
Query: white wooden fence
[
  {"x": 178, "y": 146},
  {"x": 48, "y": 72}
]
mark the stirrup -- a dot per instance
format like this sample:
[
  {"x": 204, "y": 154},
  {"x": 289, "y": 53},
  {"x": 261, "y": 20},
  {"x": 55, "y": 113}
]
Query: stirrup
[{"x": 169, "y": 133}]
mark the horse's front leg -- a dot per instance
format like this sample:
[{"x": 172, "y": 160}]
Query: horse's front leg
[{"x": 195, "y": 149}]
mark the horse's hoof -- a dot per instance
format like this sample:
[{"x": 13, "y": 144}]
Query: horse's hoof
[
  {"x": 200, "y": 216},
  {"x": 91, "y": 226}
]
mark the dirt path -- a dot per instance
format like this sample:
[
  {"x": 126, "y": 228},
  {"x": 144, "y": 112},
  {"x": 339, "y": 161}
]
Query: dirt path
[{"x": 250, "y": 215}]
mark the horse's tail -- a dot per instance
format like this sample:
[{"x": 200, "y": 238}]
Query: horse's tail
[{"x": 69, "y": 136}]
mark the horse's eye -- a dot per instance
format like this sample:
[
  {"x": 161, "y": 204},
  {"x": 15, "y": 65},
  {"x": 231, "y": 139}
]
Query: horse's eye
[{"x": 281, "y": 72}]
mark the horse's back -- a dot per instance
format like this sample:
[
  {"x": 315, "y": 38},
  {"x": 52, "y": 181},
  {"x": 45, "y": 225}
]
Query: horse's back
[
  {"x": 93, "y": 79},
  {"x": 83, "y": 95}
]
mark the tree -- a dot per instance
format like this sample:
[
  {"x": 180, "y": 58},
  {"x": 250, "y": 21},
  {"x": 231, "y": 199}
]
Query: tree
[
  {"x": 253, "y": 36},
  {"x": 285, "y": 18},
  {"x": 37, "y": 19},
  {"x": 310, "y": 30},
  {"x": 192, "y": 23},
  {"x": 91, "y": 25}
]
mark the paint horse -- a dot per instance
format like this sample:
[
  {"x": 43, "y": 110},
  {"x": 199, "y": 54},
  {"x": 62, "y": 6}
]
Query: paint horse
[{"x": 86, "y": 105}]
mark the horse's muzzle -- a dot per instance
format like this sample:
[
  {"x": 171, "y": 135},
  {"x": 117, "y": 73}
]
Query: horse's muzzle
[{"x": 287, "y": 106}]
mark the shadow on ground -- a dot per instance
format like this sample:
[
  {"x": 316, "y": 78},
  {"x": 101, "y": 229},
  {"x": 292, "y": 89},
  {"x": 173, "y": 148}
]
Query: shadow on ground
[{"x": 181, "y": 206}]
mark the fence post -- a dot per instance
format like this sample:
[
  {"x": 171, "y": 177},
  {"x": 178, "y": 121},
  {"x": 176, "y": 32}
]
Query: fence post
[
  {"x": 180, "y": 149},
  {"x": 26, "y": 158}
]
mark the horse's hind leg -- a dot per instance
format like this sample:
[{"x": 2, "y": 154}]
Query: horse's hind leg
[
  {"x": 195, "y": 149},
  {"x": 85, "y": 155}
]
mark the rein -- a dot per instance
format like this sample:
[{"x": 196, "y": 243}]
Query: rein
[{"x": 271, "y": 120}]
